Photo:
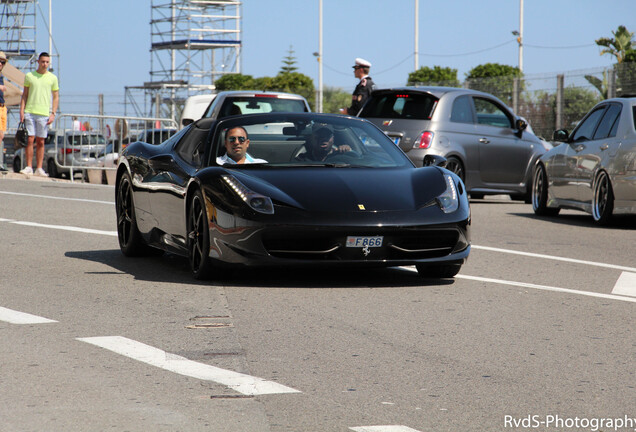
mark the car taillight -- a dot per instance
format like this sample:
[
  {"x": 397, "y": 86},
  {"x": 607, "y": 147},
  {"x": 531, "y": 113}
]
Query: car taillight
[
  {"x": 68, "y": 150},
  {"x": 425, "y": 140}
]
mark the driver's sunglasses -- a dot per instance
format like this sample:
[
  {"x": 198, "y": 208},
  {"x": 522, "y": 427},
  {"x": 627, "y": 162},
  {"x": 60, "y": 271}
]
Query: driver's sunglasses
[
  {"x": 234, "y": 138},
  {"x": 3, "y": 62}
]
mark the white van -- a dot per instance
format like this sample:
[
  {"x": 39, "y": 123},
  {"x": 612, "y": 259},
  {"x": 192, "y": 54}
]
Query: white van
[{"x": 194, "y": 108}]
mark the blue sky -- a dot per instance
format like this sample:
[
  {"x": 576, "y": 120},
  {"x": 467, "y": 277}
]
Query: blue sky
[{"x": 105, "y": 45}]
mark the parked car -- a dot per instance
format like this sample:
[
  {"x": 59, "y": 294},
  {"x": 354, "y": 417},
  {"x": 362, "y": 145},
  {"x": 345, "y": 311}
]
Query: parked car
[
  {"x": 364, "y": 204},
  {"x": 594, "y": 167},
  {"x": 65, "y": 149},
  {"x": 229, "y": 103},
  {"x": 485, "y": 144},
  {"x": 194, "y": 108}
]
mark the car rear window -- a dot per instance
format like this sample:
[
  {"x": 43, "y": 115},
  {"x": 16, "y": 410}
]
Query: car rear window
[
  {"x": 260, "y": 105},
  {"x": 400, "y": 106}
]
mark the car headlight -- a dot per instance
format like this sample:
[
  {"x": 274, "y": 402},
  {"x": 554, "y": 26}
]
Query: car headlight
[
  {"x": 449, "y": 200},
  {"x": 257, "y": 202}
]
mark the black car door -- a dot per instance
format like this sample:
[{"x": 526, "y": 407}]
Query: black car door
[{"x": 171, "y": 173}]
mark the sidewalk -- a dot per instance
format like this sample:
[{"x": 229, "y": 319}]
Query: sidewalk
[{"x": 10, "y": 175}]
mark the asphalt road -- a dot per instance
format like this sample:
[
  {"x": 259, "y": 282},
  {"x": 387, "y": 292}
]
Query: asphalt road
[{"x": 537, "y": 329}]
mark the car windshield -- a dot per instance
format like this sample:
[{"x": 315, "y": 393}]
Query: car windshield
[
  {"x": 259, "y": 104},
  {"x": 308, "y": 140},
  {"x": 400, "y": 105}
]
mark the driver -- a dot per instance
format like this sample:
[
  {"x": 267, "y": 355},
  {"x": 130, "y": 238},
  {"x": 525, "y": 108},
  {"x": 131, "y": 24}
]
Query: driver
[{"x": 320, "y": 145}]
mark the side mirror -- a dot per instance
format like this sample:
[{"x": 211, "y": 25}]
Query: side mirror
[
  {"x": 187, "y": 121},
  {"x": 434, "y": 160},
  {"x": 521, "y": 125},
  {"x": 561, "y": 135}
]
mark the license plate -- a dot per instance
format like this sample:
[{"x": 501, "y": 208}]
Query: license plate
[{"x": 359, "y": 242}]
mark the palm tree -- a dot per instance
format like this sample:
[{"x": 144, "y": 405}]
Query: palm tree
[{"x": 618, "y": 45}]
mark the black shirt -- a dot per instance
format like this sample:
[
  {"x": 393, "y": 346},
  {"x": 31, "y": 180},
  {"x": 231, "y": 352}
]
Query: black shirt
[{"x": 360, "y": 95}]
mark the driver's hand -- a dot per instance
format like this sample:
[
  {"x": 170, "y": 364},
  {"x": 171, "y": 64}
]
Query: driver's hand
[{"x": 343, "y": 148}]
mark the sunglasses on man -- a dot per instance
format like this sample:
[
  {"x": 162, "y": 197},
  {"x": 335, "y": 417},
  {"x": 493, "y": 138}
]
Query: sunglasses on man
[
  {"x": 3, "y": 62},
  {"x": 234, "y": 138}
]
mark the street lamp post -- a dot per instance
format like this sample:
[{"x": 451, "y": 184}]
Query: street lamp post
[
  {"x": 519, "y": 35},
  {"x": 319, "y": 103}
]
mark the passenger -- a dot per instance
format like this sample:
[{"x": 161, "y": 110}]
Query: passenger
[
  {"x": 320, "y": 145},
  {"x": 236, "y": 145}
]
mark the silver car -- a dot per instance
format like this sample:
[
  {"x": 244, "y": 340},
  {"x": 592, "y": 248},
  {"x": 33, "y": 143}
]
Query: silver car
[
  {"x": 594, "y": 167},
  {"x": 64, "y": 150},
  {"x": 238, "y": 102},
  {"x": 483, "y": 141}
]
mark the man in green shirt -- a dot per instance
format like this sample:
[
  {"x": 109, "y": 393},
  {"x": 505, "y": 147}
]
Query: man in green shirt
[{"x": 37, "y": 112}]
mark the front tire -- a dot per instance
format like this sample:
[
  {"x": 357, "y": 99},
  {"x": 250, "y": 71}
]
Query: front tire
[
  {"x": 603, "y": 201},
  {"x": 199, "y": 238},
  {"x": 17, "y": 164},
  {"x": 540, "y": 193},
  {"x": 455, "y": 165}
]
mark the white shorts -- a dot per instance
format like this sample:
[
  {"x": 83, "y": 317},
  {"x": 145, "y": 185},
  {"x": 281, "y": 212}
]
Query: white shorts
[{"x": 36, "y": 124}]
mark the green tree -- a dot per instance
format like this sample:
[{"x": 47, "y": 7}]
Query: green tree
[
  {"x": 234, "y": 82},
  {"x": 334, "y": 98},
  {"x": 602, "y": 85},
  {"x": 577, "y": 102},
  {"x": 618, "y": 45},
  {"x": 440, "y": 76},
  {"x": 289, "y": 62},
  {"x": 496, "y": 79},
  {"x": 295, "y": 82}
]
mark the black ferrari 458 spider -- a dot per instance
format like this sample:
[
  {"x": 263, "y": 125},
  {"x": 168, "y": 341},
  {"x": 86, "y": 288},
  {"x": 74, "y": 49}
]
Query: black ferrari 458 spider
[{"x": 290, "y": 189}]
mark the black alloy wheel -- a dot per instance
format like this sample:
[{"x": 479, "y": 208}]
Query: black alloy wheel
[
  {"x": 540, "y": 193},
  {"x": 198, "y": 238},
  {"x": 603, "y": 201},
  {"x": 455, "y": 165},
  {"x": 130, "y": 241}
]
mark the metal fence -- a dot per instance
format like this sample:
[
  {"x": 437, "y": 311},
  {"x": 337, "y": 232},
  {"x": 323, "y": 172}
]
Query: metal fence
[{"x": 91, "y": 144}]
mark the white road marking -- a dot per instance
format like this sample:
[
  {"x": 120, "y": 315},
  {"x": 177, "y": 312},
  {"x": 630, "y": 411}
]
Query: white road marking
[
  {"x": 16, "y": 317},
  {"x": 539, "y": 287},
  {"x": 625, "y": 285},
  {"x": 242, "y": 383},
  {"x": 548, "y": 288},
  {"x": 555, "y": 258},
  {"x": 57, "y": 198},
  {"x": 388, "y": 428},
  {"x": 61, "y": 227}
]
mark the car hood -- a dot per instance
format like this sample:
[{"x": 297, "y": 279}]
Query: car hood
[{"x": 346, "y": 189}]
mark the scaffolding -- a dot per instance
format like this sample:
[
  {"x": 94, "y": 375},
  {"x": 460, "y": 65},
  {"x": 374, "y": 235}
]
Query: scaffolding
[
  {"x": 193, "y": 43},
  {"x": 17, "y": 38}
]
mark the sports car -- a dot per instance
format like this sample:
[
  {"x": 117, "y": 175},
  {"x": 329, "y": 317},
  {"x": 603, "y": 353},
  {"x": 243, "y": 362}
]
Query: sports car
[{"x": 308, "y": 190}]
